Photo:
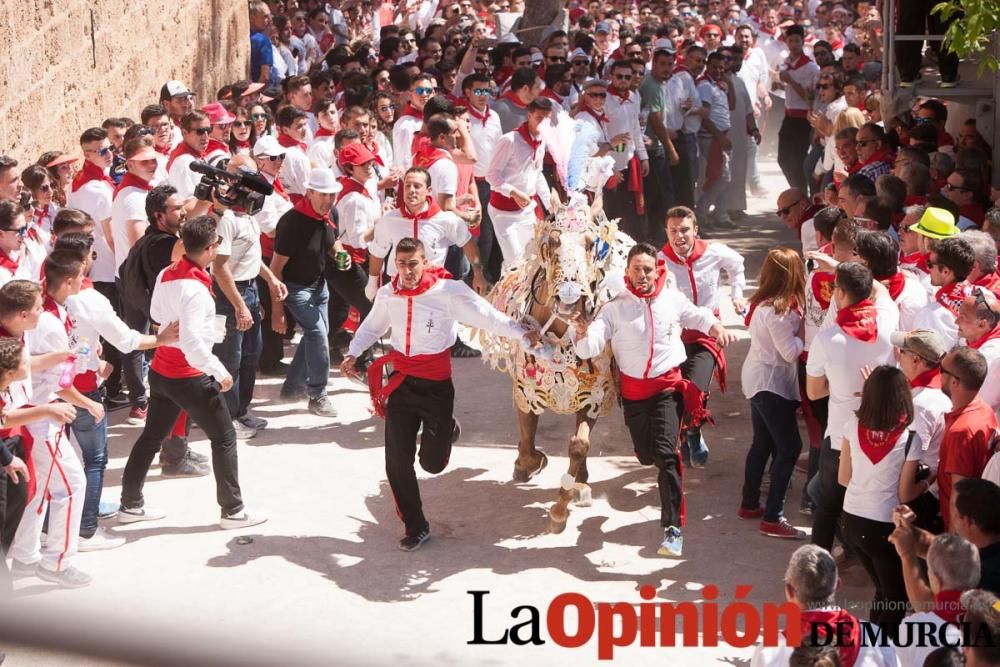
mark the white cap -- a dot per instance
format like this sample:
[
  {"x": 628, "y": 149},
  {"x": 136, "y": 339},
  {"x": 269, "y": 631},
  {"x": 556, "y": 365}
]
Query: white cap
[
  {"x": 322, "y": 180},
  {"x": 174, "y": 88},
  {"x": 268, "y": 145},
  {"x": 577, "y": 54}
]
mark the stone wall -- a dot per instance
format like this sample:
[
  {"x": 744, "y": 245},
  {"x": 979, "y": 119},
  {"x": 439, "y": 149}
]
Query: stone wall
[{"x": 66, "y": 65}]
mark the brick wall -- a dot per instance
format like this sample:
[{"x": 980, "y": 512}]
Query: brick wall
[{"x": 66, "y": 65}]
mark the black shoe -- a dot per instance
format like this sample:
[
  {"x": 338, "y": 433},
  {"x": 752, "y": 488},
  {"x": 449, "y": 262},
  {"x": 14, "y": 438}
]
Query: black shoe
[
  {"x": 462, "y": 351},
  {"x": 414, "y": 542},
  {"x": 116, "y": 402},
  {"x": 456, "y": 430},
  {"x": 187, "y": 467},
  {"x": 278, "y": 371}
]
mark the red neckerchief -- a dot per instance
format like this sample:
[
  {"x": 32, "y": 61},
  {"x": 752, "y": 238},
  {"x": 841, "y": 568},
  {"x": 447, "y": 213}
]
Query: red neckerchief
[
  {"x": 162, "y": 150},
  {"x": 533, "y": 143},
  {"x": 419, "y": 142},
  {"x": 352, "y": 185},
  {"x": 408, "y": 110},
  {"x": 216, "y": 145},
  {"x": 930, "y": 379},
  {"x": 951, "y": 296},
  {"x": 305, "y": 207},
  {"x": 49, "y": 305},
  {"x": 279, "y": 189},
  {"x": 130, "y": 180},
  {"x": 948, "y": 605},
  {"x": 602, "y": 119},
  {"x": 243, "y": 144},
  {"x": 661, "y": 280},
  {"x": 880, "y": 155},
  {"x": 894, "y": 283},
  {"x": 992, "y": 334},
  {"x": 721, "y": 85},
  {"x": 859, "y": 321},
  {"x": 801, "y": 62},
  {"x": 853, "y": 169},
  {"x": 323, "y": 132},
  {"x": 7, "y": 263},
  {"x": 990, "y": 281},
  {"x": 378, "y": 158},
  {"x": 551, "y": 94},
  {"x": 38, "y": 216},
  {"x": 846, "y": 627},
  {"x": 428, "y": 155},
  {"x": 767, "y": 31},
  {"x": 90, "y": 172},
  {"x": 185, "y": 268},
  {"x": 697, "y": 251},
  {"x": 749, "y": 315},
  {"x": 288, "y": 142},
  {"x": 183, "y": 149},
  {"x": 915, "y": 259},
  {"x": 513, "y": 99},
  {"x": 623, "y": 96},
  {"x": 429, "y": 212},
  {"x": 876, "y": 445},
  {"x": 431, "y": 275},
  {"x": 475, "y": 114},
  {"x": 502, "y": 74}
]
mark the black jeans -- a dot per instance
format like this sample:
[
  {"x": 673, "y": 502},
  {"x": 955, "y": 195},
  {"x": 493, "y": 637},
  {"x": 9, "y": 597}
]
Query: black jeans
[
  {"x": 869, "y": 541},
  {"x": 202, "y": 399},
  {"x": 489, "y": 249},
  {"x": 699, "y": 368},
  {"x": 416, "y": 401},
  {"x": 134, "y": 364},
  {"x": 620, "y": 203},
  {"x": 828, "y": 494},
  {"x": 659, "y": 191},
  {"x": 793, "y": 146},
  {"x": 113, "y": 384},
  {"x": 775, "y": 433},
  {"x": 654, "y": 424},
  {"x": 820, "y": 409},
  {"x": 349, "y": 285},
  {"x": 684, "y": 172},
  {"x": 917, "y": 19},
  {"x": 13, "y": 498}
]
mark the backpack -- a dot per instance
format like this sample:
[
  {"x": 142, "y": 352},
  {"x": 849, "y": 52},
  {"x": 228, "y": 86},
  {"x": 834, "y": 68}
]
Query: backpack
[{"x": 136, "y": 291}]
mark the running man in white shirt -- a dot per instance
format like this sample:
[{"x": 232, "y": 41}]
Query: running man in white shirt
[{"x": 423, "y": 309}]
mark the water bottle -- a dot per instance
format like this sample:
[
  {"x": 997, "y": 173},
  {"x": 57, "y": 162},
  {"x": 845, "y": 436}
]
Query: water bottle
[{"x": 74, "y": 364}]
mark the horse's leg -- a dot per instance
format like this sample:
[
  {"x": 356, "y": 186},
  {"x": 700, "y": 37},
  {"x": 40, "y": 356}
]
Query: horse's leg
[
  {"x": 573, "y": 485},
  {"x": 529, "y": 461}
]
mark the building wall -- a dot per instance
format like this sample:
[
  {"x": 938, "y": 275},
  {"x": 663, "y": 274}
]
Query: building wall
[{"x": 66, "y": 65}]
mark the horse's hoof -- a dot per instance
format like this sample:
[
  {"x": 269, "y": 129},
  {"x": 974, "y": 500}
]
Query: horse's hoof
[
  {"x": 584, "y": 496},
  {"x": 521, "y": 475},
  {"x": 556, "y": 527}
]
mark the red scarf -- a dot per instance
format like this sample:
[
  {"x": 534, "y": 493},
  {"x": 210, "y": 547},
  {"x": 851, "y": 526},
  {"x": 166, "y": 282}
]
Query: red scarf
[
  {"x": 305, "y": 207},
  {"x": 185, "y": 268},
  {"x": 162, "y": 150},
  {"x": 990, "y": 281},
  {"x": 801, "y": 62},
  {"x": 351, "y": 185},
  {"x": 49, "y": 305},
  {"x": 992, "y": 334},
  {"x": 549, "y": 93},
  {"x": 130, "y": 180},
  {"x": 90, "y": 172},
  {"x": 880, "y": 155},
  {"x": 475, "y": 114},
  {"x": 323, "y": 132},
  {"x": 688, "y": 263},
  {"x": 513, "y": 99},
  {"x": 533, "y": 143},
  {"x": 859, "y": 321},
  {"x": 876, "y": 445},
  {"x": 930, "y": 379},
  {"x": 378, "y": 158},
  {"x": 948, "y": 605},
  {"x": 183, "y": 149},
  {"x": 428, "y": 155},
  {"x": 845, "y": 627},
  {"x": 916, "y": 259},
  {"x": 602, "y": 120},
  {"x": 822, "y": 288},
  {"x": 430, "y": 276},
  {"x": 288, "y": 142},
  {"x": 243, "y": 144},
  {"x": 416, "y": 218},
  {"x": 279, "y": 188},
  {"x": 408, "y": 110},
  {"x": 661, "y": 280},
  {"x": 216, "y": 145},
  {"x": 951, "y": 296},
  {"x": 894, "y": 283},
  {"x": 7, "y": 263},
  {"x": 621, "y": 95}
]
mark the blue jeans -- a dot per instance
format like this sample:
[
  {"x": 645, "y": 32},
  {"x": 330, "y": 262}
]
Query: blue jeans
[
  {"x": 240, "y": 350},
  {"x": 775, "y": 437},
  {"x": 311, "y": 364},
  {"x": 92, "y": 437}
]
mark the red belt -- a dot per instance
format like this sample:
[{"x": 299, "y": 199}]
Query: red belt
[
  {"x": 639, "y": 389},
  {"x": 424, "y": 366},
  {"x": 358, "y": 255},
  {"x": 796, "y": 113},
  {"x": 503, "y": 203}
]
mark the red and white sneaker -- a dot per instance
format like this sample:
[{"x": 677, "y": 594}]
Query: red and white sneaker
[
  {"x": 137, "y": 415},
  {"x": 781, "y": 528},
  {"x": 744, "y": 513}
]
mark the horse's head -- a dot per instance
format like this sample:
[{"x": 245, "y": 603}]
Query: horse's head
[{"x": 566, "y": 250}]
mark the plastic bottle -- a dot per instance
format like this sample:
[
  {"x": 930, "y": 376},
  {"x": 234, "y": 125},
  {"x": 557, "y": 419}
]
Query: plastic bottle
[{"x": 74, "y": 364}]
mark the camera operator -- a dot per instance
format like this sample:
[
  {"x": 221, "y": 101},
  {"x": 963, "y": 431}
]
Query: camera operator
[
  {"x": 195, "y": 130},
  {"x": 270, "y": 156},
  {"x": 235, "y": 269}
]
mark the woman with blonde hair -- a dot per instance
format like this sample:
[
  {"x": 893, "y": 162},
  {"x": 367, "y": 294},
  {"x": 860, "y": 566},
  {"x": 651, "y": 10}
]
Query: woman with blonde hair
[
  {"x": 771, "y": 383},
  {"x": 850, "y": 117}
]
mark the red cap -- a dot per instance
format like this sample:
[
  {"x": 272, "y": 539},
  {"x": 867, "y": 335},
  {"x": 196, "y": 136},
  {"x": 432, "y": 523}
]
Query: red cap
[
  {"x": 217, "y": 114},
  {"x": 710, "y": 27},
  {"x": 355, "y": 154}
]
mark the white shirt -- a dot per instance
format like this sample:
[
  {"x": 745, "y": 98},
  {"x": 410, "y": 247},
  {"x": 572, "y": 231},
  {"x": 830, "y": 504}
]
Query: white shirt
[
  {"x": 485, "y": 136},
  {"x": 914, "y": 655},
  {"x": 130, "y": 204},
  {"x": 623, "y": 118},
  {"x": 754, "y": 73},
  {"x": 50, "y": 336},
  {"x": 808, "y": 235},
  {"x": 771, "y": 363},
  {"x": 94, "y": 199},
  {"x": 873, "y": 490},
  {"x": 356, "y": 215},
  {"x": 645, "y": 334},
  {"x": 428, "y": 323},
  {"x": 681, "y": 88},
  {"x": 840, "y": 358},
  {"x": 321, "y": 152},
  {"x": 240, "y": 241},
  {"x": 714, "y": 97},
  {"x": 515, "y": 165},
  {"x": 402, "y": 140},
  {"x": 189, "y": 301},
  {"x": 444, "y": 177},
  {"x": 806, "y": 74},
  {"x": 911, "y": 301},
  {"x": 702, "y": 283},
  {"x": 990, "y": 391},
  {"x": 22, "y": 272},
  {"x": 294, "y": 172},
  {"x": 94, "y": 318},
  {"x": 929, "y": 408},
  {"x": 181, "y": 177},
  {"x": 936, "y": 317},
  {"x": 437, "y": 233},
  {"x": 274, "y": 207}
]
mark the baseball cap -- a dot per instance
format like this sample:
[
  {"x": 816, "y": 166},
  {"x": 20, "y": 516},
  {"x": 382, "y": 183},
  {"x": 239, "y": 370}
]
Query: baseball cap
[
  {"x": 665, "y": 45},
  {"x": 322, "y": 180},
  {"x": 174, "y": 88},
  {"x": 217, "y": 114},
  {"x": 579, "y": 53},
  {"x": 925, "y": 343},
  {"x": 268, "y": 145},
  {"x": 603, "y": 26},
  {"x": 936, "y": 223},
  {"x": 355, "y": 154}
]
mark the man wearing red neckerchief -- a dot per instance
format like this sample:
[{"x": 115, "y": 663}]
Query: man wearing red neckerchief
[
  {"x": 950, "y": 263},
  {"x": 811, "y": 584},
  {"x": 321, "y": 151},
  {"x": 881, "y": 254},
  {"x": 872, "y": 152},
  {"x": 195, "y": 130},
  {"x": 222, "y": 131},
  {"x": 714, "y": 145},
  {"x": 642, "y": 324},
  {"x": 512, "y": 106},
  {"x": 292, "y": 128},
  {"x": 411, "y": 118},
  {"x": 422, "y": 307},
  {"x": 799, "y": 75},
  {"x": 978, "y": 323},
  {"x": 625, "y": 200},
  {"x": 984, "y": 270},
  {"x": 485, "y": 133}
]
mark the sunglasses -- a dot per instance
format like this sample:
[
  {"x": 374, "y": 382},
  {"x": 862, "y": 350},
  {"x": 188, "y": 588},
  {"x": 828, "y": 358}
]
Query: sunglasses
[
  {"x": 242, "y": 123},
  {"x": 161, "y": 126},
  {"x": 202, "y": 131},
  {"x": 623, "y": 77},
  {"x": 45, "y": 187},
  {"x": 482, "y": 92},
  {"x": 258, "y": 116},
  {"x": 864, "y": 142},
  {"x": 950, "y": 188},
  {"x": 782, "y": 212},
  {"x": 145, "y": 132},
  {"x": 20, "y": 231},
  {"x": 274, "y": 158},
  {"x": 100, "y": 151},
  {"x": 601, "y": 95},
  {"x": 824, "y": 86},
  {"x": 423, "y": 91}
]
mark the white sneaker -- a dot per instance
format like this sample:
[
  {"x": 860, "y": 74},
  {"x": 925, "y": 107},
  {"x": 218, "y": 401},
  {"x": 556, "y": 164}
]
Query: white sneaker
[
  {"x": 139, "y": 514},
  {"x": 243, "y": 519},
  {"x": 243, "y": 432},
  {"x": 100, "y": 541}
]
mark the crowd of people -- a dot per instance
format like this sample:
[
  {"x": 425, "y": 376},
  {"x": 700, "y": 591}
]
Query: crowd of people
[{"x": 383, "y": 164}]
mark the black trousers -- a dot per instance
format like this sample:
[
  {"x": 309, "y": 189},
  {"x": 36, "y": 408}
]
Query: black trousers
[
  {"x": 349, "y": 286},
  {"x": 828, "y": 494},
  {"x": 869, "y": 541},
  {"x": 699, "y": 368},
  {"x": 416, "y": 401},
  {"x": 272, "y": 348},
  {"x": 201, "y": 397},
  {"x": 775, "y": 434},
  {"x": 917, "y": 19},
  {"x": 134, "y": 363},
  {"x": 620, "y": 203},
  {"x": 13, "y": 498},
  {"x": 659, "y": 191},
  {"x": 113, "y": 385},
  {"x": 820, "y": 410},
  {"x": 654, "y": 424},
  {"x": 489, "y": 248},
  {"x": 793, "y": 146}
]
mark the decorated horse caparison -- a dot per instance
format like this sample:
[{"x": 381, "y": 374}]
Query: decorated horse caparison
[{"x": 574, "y": 265}]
